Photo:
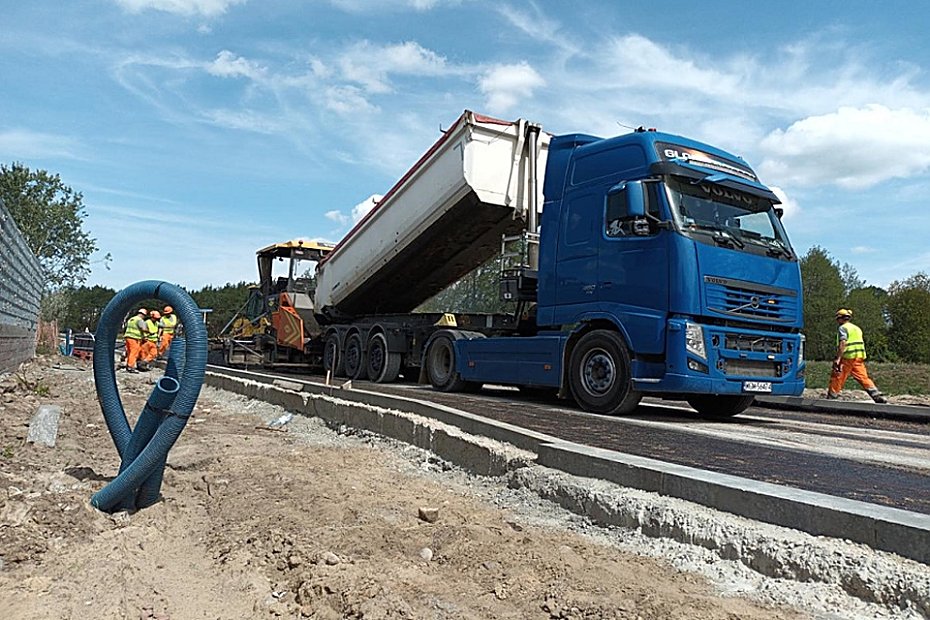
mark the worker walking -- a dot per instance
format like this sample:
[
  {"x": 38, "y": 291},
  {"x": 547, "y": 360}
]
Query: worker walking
[
  {"x": 150, "y": 346},
  {"x": 850, "y": 358},
  {"x": 134, "y": 337},
  {"x": 168, "y": 323}
]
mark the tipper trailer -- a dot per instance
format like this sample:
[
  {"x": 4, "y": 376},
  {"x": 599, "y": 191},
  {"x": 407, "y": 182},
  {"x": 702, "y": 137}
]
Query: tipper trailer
[{"x": 646, "y": 263}]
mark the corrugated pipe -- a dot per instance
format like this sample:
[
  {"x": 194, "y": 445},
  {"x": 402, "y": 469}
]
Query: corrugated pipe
[{"x": 144, "y": 450}]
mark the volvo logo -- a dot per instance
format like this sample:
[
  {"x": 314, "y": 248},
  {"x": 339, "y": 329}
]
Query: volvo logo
[{"x": 754, "y": 301}]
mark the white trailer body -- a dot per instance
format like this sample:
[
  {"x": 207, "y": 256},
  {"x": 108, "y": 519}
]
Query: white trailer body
[{"x": 441, "y": 220}]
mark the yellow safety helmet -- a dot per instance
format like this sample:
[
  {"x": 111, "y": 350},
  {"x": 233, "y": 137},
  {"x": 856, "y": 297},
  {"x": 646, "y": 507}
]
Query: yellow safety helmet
[{"x": 843, "y": 313}]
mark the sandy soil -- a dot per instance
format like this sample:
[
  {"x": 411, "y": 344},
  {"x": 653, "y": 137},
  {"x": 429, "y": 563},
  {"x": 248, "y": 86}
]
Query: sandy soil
[{"x": 304, "y": 523}]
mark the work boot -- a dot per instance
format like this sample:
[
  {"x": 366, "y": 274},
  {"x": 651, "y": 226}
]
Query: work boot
[
  {"x": 832, "y": 396},
  {"x": 878, "y": 397}
]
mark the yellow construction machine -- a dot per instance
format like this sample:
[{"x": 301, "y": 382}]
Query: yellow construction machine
[{"x": 277, "y": 326}]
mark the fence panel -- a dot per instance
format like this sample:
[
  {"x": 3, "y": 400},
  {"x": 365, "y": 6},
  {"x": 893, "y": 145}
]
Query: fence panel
[{"x": 21, "y": 283}]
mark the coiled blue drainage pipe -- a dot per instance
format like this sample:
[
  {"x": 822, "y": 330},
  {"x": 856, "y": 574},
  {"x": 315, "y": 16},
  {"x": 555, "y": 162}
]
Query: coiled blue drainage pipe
[{"x": 144, "y": 450}]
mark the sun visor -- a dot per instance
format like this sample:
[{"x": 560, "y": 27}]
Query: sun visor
[{"x": 700, "y": 175}]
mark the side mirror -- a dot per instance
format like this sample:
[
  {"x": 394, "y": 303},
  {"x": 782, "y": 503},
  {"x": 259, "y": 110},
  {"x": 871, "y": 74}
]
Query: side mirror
[
  {"x": 635, "y": 198},
  {"x": 779, "y": 212}
]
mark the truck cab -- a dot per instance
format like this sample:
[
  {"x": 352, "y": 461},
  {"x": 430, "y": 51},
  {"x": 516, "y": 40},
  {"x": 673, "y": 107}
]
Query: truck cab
[{"x": 663, "y": 269}]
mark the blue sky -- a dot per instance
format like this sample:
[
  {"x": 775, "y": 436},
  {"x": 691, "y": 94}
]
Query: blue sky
[{"x": 201, "y": 130}]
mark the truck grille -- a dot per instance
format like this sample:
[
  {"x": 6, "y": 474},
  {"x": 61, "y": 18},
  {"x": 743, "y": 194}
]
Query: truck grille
[
  {"x": 755, "y": 344},
  {"x": 736, "y": 298},
  {"x": 752, "y": 368}
]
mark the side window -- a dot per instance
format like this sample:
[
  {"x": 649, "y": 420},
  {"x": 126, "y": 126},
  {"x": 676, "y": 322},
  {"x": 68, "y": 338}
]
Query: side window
[{"x": 618, "y": 222}]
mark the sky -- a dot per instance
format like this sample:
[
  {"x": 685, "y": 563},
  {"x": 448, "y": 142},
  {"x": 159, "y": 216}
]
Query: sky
[{"x": 201, "y": 130}]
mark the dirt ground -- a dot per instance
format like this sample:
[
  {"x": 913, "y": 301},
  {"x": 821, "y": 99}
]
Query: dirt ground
[{"x": 258, "y": 523}]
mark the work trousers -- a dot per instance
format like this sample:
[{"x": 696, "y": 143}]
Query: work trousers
[
  {"x": 149, "y": 350},
  {"x": 133, "y": 351},
  {"x": 856, "y": 368},
  {"x": 166, "y": 339}
]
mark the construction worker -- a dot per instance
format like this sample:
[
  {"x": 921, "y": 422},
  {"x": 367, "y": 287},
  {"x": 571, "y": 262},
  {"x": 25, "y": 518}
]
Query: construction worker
[
  {"x": 150, "y": 346},
  {"x": 134, "y": 337},
  {"x": 850, "y": 358},
  {"x": 168, "y": 323}
]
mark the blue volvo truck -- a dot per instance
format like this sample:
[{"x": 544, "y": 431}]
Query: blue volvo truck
[
  {"x": 663, "y": 269},
  {"x": 647, "y": 264}
]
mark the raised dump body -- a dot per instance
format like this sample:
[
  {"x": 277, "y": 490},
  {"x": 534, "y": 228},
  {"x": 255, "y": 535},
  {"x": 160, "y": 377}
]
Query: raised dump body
[{"x": 441, "y": 220}]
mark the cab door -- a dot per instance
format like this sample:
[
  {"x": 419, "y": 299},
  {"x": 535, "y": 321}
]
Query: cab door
[
  {"x": 633, "y": 265},
  {"x": 576, "y": 270}
]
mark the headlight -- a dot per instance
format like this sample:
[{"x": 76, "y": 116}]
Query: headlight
[
  {"x": 694, "y": 340},
  {"x": 801, "y": 349}
]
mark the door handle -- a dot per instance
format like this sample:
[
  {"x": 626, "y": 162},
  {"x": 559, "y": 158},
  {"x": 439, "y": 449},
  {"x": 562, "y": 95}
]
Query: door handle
[{"x": 606, "y": 284}]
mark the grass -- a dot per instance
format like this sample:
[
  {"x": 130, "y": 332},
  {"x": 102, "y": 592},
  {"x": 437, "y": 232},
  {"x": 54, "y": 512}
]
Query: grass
[{"x": 891, "y": 378}]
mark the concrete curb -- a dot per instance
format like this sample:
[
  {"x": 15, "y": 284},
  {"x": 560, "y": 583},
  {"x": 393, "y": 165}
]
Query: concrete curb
[
  {"x": 887, "y": 529},
  {"x": 912, "y": 413}
]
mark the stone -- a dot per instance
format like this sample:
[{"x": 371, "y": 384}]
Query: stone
[
  {"x": 330, "y": 558},
  {"x": 426, "y": 553},
  {"x": 43, "y": 428},
  {"x": 430, "y": 515}
]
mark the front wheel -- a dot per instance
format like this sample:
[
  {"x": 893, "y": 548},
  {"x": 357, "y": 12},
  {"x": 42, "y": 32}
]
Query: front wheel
[
  {"x": 720, "y": 406},
  {"x": 600, "y": 376}
]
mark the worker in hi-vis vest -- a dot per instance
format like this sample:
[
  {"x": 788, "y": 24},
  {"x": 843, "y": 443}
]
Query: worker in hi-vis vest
[
  {"x": 150, "y": 346},
  {"x": 167, "y": 324},
  {"x": 850, "y": 358},
  {"x": 134, "y": 337}
]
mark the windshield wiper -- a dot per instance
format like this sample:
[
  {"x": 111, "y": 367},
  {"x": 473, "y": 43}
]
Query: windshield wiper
[
  {"x": 721, "y": 235},
  {"x": 777, "y": 248}
]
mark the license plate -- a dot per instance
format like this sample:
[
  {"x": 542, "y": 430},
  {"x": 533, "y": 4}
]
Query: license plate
[{"x": 757, "y": 386}]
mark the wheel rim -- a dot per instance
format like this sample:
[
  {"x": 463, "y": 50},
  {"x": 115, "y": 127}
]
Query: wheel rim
[
  {"x": 353, "y": 355},
  {"x": 598, "y": 372},
  {"x": 376, "y": 355}
]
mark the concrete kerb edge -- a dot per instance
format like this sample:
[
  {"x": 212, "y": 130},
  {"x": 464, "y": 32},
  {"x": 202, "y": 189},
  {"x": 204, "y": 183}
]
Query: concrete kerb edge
[
  {"x": 887, "y": 529},
  {"x": 454, "y": 446},
  {"x": 911, "y": 413}
]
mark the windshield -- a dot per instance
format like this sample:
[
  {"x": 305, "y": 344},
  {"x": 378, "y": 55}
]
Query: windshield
[{"x": 718, "y": 215}]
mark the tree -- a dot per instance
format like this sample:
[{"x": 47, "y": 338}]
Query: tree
[
  {"x": 51, "y": 216},
  {"x": 909, "y": 334},
  {"x": 224, "y": 301},
  {"x": 85, "y": 305},
  {"x": 824, "y": 291}
]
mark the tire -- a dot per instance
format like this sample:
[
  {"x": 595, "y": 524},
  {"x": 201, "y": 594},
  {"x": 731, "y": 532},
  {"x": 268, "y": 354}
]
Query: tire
[
  {"x": 440, "y": 366},
  {"x": 383, "y": 366},
  {"x": 717, "y": 406},
  {"x": 599, "y": 374},
  {"x": 333, "y": 360},
  {"x": 355, "y": 359}
]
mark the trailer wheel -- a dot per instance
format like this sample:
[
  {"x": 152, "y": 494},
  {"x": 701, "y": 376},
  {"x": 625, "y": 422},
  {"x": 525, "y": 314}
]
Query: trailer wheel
[
  {"x": 333, "y": 360},
  {"x": 600, "y": 376},
  {"x": 440, "y": 366},
  {"x": 356, "y": 364},
  {"x": 383, "y": 366},
  {"x": 720, "y": 406}
]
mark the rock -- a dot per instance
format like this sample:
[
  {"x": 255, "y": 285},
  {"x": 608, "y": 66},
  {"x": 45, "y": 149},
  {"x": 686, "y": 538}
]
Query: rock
[
  {"x": 426, "y": 553},
  {"x": 120, "y": 519},
  {"x": 43, "y": 428},
  {"x": 294, "y": 561},
  {"x": 430, "y": 515},
  {"x": 330, "y": 558}
]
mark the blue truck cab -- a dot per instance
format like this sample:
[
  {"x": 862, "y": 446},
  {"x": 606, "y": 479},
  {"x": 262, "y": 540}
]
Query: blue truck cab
[{"x": 663, "y": 270}]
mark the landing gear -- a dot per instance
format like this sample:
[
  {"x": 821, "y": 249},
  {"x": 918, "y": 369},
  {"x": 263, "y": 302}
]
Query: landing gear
[{"x": 599, "y": 374}]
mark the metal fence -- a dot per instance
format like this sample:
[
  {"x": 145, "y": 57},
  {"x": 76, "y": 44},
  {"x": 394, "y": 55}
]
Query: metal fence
[{"x": 21, "y": 284}]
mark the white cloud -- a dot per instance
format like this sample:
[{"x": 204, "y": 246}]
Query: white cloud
[
  {"x": 790, "y": 206},
  {"x": 26, "y": 144},
  {"x": 337, "y": 216},
  {"x": 228, "y": 64},
  {"x": 853, "y": 148},
  {"x": 361, "y": 209},
  {"x": 207, "y": 8},
  {"x": 862, "y": 249},
  {"x": 504, "y": 85},
  {"x": 371, "y": 66},
  {"x": 358, "y": 6}
]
